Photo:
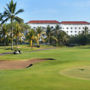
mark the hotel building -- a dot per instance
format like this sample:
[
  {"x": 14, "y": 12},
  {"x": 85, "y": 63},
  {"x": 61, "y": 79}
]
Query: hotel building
[{"x": 70, "y": 27}]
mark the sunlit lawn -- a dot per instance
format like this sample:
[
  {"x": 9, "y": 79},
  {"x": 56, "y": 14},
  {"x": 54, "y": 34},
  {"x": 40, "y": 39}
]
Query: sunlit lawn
[{"x": 46, "y": 75}]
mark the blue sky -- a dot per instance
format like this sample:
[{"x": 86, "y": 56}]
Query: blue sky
[{"x": 61, "y": 10}]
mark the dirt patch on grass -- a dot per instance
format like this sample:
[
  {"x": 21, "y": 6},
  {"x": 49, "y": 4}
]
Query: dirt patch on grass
[{"x": 11, "y": 65}]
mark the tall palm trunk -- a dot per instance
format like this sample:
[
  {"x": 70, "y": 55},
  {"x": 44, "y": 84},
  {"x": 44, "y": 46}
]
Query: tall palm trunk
[
  {"x": 38, "y": 36},
  {"x": 31, "y": 44},
  {"x": 11, "y": 34},
  {"x": 57, "y": 42},
  {"x": 17, "y": 42},
  {"x": 1, "y": 27},
  {"x": 49, "y": 40}
]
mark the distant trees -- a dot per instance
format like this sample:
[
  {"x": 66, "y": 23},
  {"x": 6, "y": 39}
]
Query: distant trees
[
  {"x": 4, "y": 35},
  {"x": 18, "y": 33},
  {"x": 81, "y": 39},
  {"x": 52, "y": 36},
  {"x": 56, "y": 36},
  {"x": 78, "y": 40}
]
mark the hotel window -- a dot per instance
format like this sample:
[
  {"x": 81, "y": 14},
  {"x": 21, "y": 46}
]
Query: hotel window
[
  {"x": 71, "y": 28},
  {"x": 43, "y": 28},
  {"x": 71, "y": 31},
  {"x": 52, "y": 27},
  {"x": 75, "y": 27},
  {"x": 79, "y": 28},
  {"x": 75, "y": 31},
  {"x": 67, "y": 28},
  {"x": 83, "y": 28},
  {"x": 34, "y": 27}
]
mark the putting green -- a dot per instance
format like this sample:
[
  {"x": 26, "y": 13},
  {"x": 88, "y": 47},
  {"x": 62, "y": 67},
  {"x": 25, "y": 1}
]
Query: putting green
[{"x": 78, "y": 72}]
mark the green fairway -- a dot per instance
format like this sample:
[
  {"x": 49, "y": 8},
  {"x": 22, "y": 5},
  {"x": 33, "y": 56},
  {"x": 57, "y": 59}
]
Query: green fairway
[
  {"x": 48, "y": 75},
  {"x": 82, "y": 72}
]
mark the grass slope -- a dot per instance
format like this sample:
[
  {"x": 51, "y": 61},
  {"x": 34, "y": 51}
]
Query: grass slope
[{"x": 46, "y": 75}]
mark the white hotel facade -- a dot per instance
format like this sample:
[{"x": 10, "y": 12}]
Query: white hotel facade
[{"x": 70, "y": 27}]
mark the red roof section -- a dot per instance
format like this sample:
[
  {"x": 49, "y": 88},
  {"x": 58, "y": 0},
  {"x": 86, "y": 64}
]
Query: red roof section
[
  {"x": 74, "y": 22},
  {"x": 44, "y": 22}
]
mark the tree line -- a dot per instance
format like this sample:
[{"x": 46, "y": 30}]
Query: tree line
[
  {"x": 80, "y": 39},
  {"x": 14, "y": 32},
  {"x": 51, "y": 36}
]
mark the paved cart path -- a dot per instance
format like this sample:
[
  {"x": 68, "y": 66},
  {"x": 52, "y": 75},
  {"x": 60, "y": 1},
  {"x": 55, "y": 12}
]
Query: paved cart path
[{"x": 1, "y": 54}]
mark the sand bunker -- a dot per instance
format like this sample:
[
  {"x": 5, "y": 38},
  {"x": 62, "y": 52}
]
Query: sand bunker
[{"x": 9, "y": 65}]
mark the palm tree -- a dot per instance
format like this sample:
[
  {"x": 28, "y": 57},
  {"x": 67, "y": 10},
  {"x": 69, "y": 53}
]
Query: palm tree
[
  {"x": 1, "y": 20},
  {"x": 85, "y": 32},
  {"x": 48, "y": 34},
  {"x": 31, "y": 37},
  {"x": 38, "y": 32},
  {"x": 5, "y": 34},
  {"x": 57, "y": 28},
  {"x": 0, "y": 25},
  {"x": 1, "y": 17},
  {"x": 10, "y": 13},
  {"x": 62, "y": 37},
  {"x": 17, "y": 32},
  {"x": 56, "y": 32}
]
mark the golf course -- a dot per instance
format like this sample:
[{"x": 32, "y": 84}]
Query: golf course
[
  {"x": 44, "y": 45},
  {"x": 69, "y": 69}
]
